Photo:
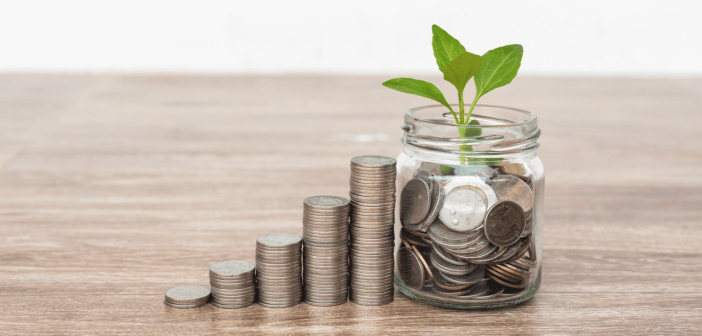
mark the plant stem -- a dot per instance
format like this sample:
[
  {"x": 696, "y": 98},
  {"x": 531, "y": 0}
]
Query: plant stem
[
  {"x": 460, "y": 105},
  {"x": 454, "y": 114},
  {"x": 472, "y": 106}
]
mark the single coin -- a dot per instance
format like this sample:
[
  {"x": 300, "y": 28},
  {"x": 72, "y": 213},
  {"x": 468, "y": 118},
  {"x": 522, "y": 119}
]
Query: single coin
[
  {"x": 449, "y": 268},
  {"x": 504, "y": 223},
  {"x": 373, "y": 161},
  {"x": 184, "y": 306},
  {"x": 325, "y": 202},
  {"x": 512, "y": 188},
  {"x": 444, "y": 283},
  {"x": 414, "y": 202},
  {"x": 232, "y": 268},
  {"x": 410, "y": 267},
  {"x": 467, "y": 279},
  {"x": 187, "y": 294},
  {"x": 448, "y": 257},
  {"x": 437, "y": 201},
  {"x": 464, "y": 208},
  {"x": 278, "y": 239}
]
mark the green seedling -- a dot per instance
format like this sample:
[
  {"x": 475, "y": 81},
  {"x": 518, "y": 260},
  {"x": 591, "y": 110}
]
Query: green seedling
[{"x": 496, "y": 68}]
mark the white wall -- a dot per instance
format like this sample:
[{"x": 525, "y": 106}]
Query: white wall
[{"x": 328, "y": 36}]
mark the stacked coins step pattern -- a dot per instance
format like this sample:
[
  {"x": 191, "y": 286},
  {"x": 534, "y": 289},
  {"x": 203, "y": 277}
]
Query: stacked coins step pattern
[
  {"x": 279, "y": 269},
  {"x": 187, "y": 296},
  {"x": 325, "y": 233},
  {"x": 232, "y": 284},
  {"x": 371, "y": 230}
]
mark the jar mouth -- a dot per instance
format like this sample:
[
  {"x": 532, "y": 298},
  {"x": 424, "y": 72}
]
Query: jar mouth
[
  {"x": 502, "y": 131},
  {"x": 523, "y": 117}
]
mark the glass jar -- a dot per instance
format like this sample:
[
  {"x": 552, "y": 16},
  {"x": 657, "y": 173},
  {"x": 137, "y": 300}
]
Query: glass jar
[{"x": 471, "y": 204}]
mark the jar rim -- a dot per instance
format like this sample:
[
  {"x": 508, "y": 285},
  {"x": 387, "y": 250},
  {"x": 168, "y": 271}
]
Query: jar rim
[{"x": 532, "y": 118}]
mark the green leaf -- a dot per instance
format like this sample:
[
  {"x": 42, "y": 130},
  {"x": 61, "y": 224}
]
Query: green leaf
[
  {"x": 460, "y": 70},
  {"x": 446, "y": 48},
  {"x": 499, "y": 67},
  {"x": 470, "y": 132},
  {"x": 419, "y": 88}
]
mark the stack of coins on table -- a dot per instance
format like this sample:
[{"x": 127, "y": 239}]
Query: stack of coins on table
[
  {"x": 372, "y": 230},
  {"x": 187, "y": 296},
  {"x": 232, "y": 284},
  {"x": 279, "y": 269},
  {"x": 325, "y": 233}
]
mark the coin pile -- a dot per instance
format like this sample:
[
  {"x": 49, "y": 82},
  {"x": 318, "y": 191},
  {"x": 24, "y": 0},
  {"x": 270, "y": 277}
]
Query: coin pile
[
  {"x": 325, "y": 233},
  {"x": 279, "y": 269},
  {"x": 478, "y": 229},
  {"x": 372, "y": 230},
  {"x": 187, "y": 296},
  {"x": 232, "y": 284}
]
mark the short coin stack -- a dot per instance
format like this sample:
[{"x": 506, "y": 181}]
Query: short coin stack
[
  {"x": 279, "y": 269},
  {"x": 372, "y": 230},
  {"x": 326, "y": 223},
  {"x": 232, "y": 284},
  {"x": 187, "y": 296}
]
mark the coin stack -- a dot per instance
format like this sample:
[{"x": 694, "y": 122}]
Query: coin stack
[
  {"x": 325, "y": 233},
  {"x": 279, "y": 269},
  {"x": 232, "y": 284},
  {"x": 372, "y": 230},
  {"x": 187, "y": 296}
]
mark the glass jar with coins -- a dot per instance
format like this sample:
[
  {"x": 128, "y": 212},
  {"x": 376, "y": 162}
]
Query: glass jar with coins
[{"x": 471, "y": 204}]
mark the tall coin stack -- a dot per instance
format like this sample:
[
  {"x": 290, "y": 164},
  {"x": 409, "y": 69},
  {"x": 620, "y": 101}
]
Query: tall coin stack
[
  {"x": 232, "y": 284},
  {"x": 372, "y": 230},
  {"x": 279, "y": 269},
  {"x": 325, "y": 232}
]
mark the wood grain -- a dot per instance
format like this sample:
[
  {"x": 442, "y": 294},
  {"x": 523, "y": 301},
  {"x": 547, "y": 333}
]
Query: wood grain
[{"x": 116, "y": 188}]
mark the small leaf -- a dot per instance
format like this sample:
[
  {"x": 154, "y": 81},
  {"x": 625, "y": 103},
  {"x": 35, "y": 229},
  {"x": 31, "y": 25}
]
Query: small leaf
[
  {"x": 499, "y": 67},
  {"x": 446, "y": 48},
  {"x": 419, "y": 88},
  {"x": 460, "y": 70},
  {"x": 470, "y": 132}
]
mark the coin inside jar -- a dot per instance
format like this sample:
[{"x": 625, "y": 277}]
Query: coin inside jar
[
  {"x": 464, "y": 208},
  {"x": 512, "y": 188},
  {"x": 410, "y": 267},
  {"x": 414, "y": 202},
  {"x": 504, "y": 223}
]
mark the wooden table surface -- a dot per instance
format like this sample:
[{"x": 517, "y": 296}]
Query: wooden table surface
[{"x": 114, "y": 188}]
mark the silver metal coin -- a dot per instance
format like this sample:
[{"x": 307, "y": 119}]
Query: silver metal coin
[
  {"x": 464, "y": 208},
  {"x": 233, "y": 268},
  {"x": 504, "y": 223},
  {"x": 187, "y": 294},
  {"x": 410, "y": 268},
  {"x": 415, "y": 202},
  {"x": 467, "y": 279},
  {"x": 373, "y": 161},
  {"x": 278, "y": 239},
  {"x": 184, "y": 306}
]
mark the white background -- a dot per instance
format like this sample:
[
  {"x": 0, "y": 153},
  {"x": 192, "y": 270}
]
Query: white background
[{"x": 358, "y": 37}]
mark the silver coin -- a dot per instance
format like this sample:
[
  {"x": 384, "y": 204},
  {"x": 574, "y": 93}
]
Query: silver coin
[
  {"x": 448, "y": 257},
  {"x": 511, "y": 188},
  {"x": 326, "y": 202},
  {"x": 187, "y": 294},
  {"x": 232, "y": 268},
  {"x": 467, "y": 279},
  {"x": 184, "y": 306},
  {"x": 464, "y": 208},
  {"x": 414, "y": 202},
  {"x": 449, "y": 268},
  {"x": 437, "y": 201},
  {"x": 410, "y": 268},
  {"x": 373, "y": 161},
  {"x": 278, "y": 239},
  {"x": 504, "y": 223}
]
